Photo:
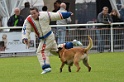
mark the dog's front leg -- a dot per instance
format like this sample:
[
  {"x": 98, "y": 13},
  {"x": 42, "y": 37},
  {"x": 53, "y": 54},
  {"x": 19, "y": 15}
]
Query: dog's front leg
[{"x": 62, "y": 65}]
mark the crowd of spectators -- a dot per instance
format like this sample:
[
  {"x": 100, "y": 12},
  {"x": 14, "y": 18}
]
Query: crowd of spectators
[{"x": 107, "y": 18}]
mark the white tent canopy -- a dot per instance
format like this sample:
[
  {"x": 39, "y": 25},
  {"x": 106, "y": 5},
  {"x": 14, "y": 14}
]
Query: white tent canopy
[{"x": 7, "y": 7}]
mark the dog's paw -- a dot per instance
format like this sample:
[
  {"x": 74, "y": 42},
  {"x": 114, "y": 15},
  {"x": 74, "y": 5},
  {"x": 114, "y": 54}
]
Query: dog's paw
[
  {"x": 89, "y": 69},
  {"x": 60, "y": 70},
  {"x": 69, "y": 70}
]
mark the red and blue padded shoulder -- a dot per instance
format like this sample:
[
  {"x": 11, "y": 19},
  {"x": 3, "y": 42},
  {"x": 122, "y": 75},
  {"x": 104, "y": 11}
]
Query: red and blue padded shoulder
[
  {"x": 65, "y": 14},
  {"x": 68, "y": 45}
]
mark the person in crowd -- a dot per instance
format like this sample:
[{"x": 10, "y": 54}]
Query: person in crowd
[
  {"x": 61, "y": 31},
  {"x": 122, "y": 18},
  {"x": 44, "y": 8},
  {"x": 39, "y": 21},
  {"x": 122, "y": 13},
  {"x": 16, "y": 20},
  {"x": 103, "y": 17},
  {"x": 26, "y": 10},
  {"x": 115, "y": 16},
  {"x": 56, "y": 6}
]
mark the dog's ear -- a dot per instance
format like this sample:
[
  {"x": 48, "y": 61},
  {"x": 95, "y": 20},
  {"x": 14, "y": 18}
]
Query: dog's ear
[
  {"x": 59, "y": 48},
  {"x": 63, "y": 46}
]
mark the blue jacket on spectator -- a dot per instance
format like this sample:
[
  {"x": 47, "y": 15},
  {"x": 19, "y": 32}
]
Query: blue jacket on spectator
[{"x": 12, "y": 19}]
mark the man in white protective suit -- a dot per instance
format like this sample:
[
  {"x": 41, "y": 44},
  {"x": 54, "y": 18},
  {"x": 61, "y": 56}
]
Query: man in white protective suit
[{"x": 39, "y": 21}]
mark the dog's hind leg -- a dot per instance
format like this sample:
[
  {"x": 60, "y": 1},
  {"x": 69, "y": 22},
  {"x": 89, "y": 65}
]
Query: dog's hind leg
[
  {"x": 62, "y": 65},
  {"x": 85, "y": 61}
]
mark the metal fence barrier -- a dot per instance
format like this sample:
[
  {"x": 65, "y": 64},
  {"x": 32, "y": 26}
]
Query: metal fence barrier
[{"x": 109, "y": 38}]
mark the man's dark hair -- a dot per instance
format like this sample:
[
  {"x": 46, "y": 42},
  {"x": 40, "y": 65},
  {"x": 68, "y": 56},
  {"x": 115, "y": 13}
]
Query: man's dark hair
[
  {"x": 44, "y": 8},
  {"x": 58, "y": 1},
  {"x": 27, "y": 4},
  {"x": 34, "y": 8}
]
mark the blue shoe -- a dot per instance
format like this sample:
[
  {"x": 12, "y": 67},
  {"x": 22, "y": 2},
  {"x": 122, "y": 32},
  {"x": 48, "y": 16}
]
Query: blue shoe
[{"x": 47, "y": 70}]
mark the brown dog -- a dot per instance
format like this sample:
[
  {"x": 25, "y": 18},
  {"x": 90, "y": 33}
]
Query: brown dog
[{"x": 74, "y": 55}]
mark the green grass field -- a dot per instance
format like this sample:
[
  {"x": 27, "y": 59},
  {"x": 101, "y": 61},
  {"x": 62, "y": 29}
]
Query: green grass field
[{"x": 106, "y": 67}]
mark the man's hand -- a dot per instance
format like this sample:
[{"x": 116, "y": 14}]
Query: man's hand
[
  {"x": 72, "y": 13},
  {"x": 25, "y": 41},
  {"x": 110, "y": 22}
]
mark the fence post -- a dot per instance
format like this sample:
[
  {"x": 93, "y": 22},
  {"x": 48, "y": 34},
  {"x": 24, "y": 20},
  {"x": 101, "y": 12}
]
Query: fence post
[{"x": 111, "y": 37}]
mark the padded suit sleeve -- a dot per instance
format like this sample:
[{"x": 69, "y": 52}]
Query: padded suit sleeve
[
  {"x": 59, "y": 15},
  {"x": 26, "y": 30}
]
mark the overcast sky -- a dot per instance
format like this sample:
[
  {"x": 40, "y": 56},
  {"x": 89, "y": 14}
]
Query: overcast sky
[{"x": 81, "y": 1}]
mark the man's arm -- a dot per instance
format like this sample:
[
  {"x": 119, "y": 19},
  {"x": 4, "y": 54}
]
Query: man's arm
[
  {"x": 59, "y": 15},
  {"x": 99, "y": 18},
  {"x": 110, "y": 19},
  {"x": 26, "y": 30}
]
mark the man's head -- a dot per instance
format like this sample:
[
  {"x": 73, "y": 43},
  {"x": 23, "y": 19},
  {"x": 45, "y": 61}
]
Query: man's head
[
  {"x": 44, "y": 8},
  {"x": 114, "y": 12},
  {"x": 105, "y": 10},
  {"x": 63, "y": 5},
  {"x": 17, "y": 11},
  {"x": 34, "y": 12},
  {"x": 27, "y": 4},
  {"x": 57, "y": 5}
]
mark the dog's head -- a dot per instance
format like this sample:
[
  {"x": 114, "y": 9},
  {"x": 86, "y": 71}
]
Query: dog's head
[
  {"x": 66, "y": 45},
  {"x": 60, "y": 47}
]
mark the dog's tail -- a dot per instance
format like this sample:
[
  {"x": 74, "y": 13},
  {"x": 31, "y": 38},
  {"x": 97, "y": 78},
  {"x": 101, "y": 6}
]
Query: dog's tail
[{"x": 90, "y": 45}]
